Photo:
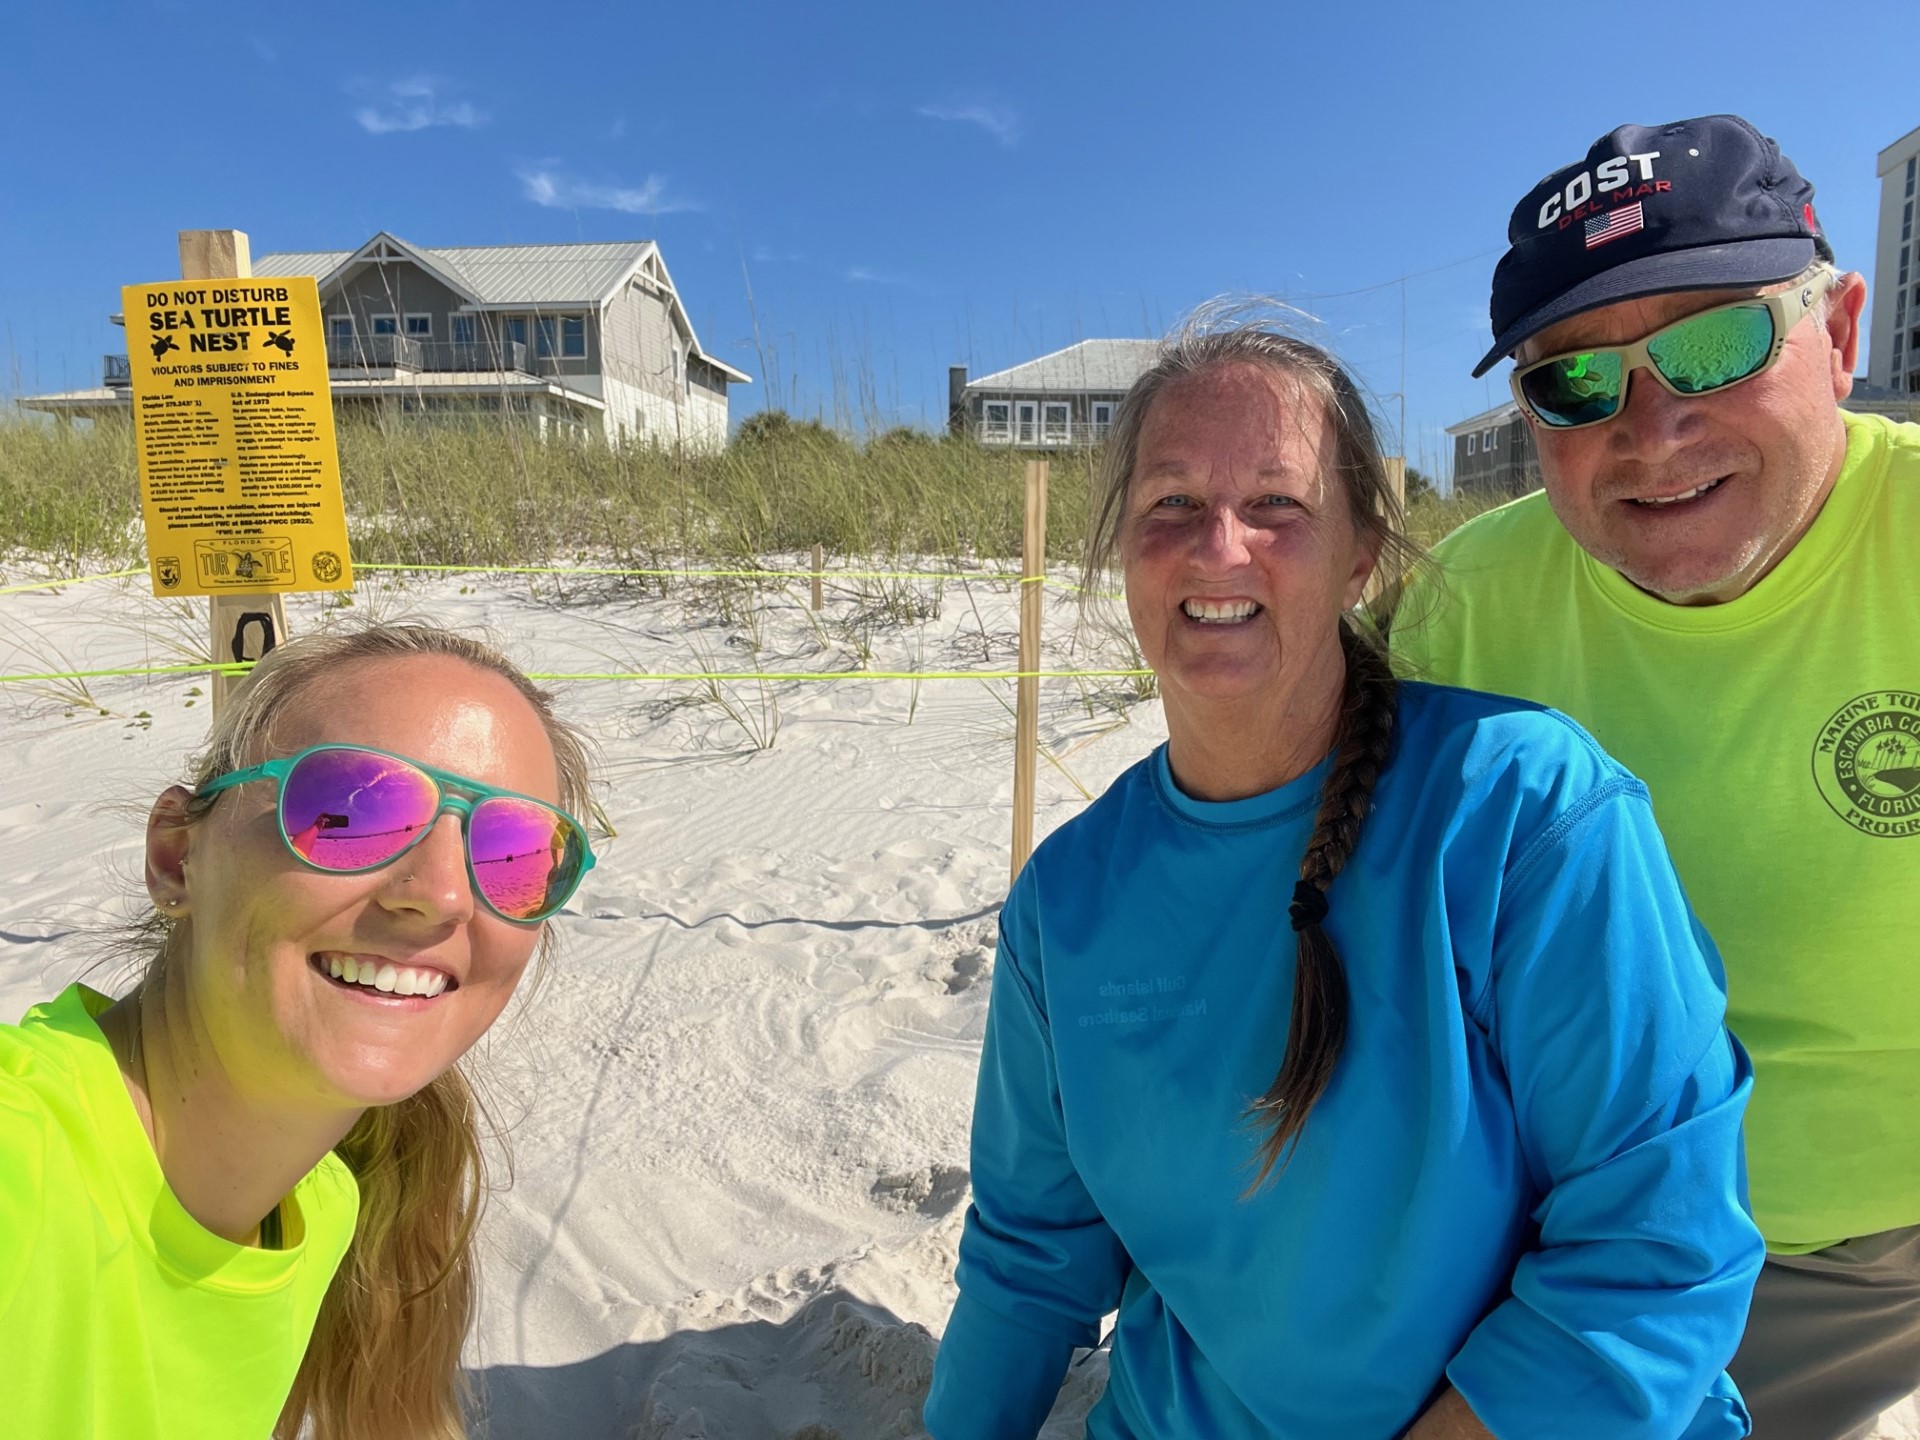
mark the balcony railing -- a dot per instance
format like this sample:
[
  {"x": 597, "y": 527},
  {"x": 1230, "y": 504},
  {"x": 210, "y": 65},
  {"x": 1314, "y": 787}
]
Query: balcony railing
[
  {"x": 1040, "y": 434},
  {"x": 407, "y": 352},
  {"x": 118, "y": 372}
]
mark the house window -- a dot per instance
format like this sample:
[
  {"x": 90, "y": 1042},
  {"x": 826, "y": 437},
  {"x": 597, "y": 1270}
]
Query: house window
[
  {"x": 461, "y": 327},
  {"x": 1906, "y": 222},
  {"x": 1473, "y": 442},
  {"x": 386, "y": 324},
  {"x": 546, "y": 342},
  {"x": 420, "y": 326},
  {"x": 1486, "y": 441},
  {"x": 996, "y": 421},
  {"x": 1026, "y": 414},
  {"x": 1056, "y": 424},
  {"x": 1910, "y": 177},
  {"x": 573, "y": 337},
  {"x": 515, "y": 329},
  {"x": 340, "y": 327},
  {"x": 1102, "y": 418}
]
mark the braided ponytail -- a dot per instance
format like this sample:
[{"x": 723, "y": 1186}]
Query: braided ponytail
[{"x": 1318, "y": 1027}]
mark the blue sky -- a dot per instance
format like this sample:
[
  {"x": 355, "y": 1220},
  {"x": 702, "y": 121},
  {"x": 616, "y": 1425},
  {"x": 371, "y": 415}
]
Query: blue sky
[{"x": 904, "y": 186}]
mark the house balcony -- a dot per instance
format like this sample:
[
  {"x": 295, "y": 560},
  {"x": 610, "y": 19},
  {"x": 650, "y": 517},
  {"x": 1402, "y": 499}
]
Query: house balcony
[
  {"x": 357, "y": 354},
  {"x": 1039, "y": 434}
]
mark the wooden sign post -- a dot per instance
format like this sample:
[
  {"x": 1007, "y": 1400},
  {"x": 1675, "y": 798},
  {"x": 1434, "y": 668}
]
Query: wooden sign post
[
  {"x": 1026, "y": 716},
  {"x": 239, "y": 627}
]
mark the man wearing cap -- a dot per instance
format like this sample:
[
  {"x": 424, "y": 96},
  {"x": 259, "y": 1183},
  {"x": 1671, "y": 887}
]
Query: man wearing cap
[{"x": 1722, "y": 583}]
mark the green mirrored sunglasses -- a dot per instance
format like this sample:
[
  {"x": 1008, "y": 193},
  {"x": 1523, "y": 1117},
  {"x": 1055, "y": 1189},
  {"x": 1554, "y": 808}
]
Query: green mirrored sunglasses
[{"x": 1697, "y": 355}]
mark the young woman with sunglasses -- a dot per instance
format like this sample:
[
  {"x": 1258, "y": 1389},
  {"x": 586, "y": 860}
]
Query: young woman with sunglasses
[{"x": 241, "y": 1199}]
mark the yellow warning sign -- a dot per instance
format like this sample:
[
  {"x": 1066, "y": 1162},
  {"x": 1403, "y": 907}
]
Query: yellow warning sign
[{"x": 239, "y": 474}]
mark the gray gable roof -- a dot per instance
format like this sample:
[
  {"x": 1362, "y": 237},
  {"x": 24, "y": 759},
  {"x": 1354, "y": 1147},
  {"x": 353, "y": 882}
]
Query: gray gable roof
[
  {"x": 586, "y": 274},
  {"x": 1096, "y": 365},
  {"x": 1500, "y": 414},
  {"x": 545, "y": 274}
]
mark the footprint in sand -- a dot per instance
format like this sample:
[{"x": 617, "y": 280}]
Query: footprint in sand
[{"x": 933, "y": 1190}]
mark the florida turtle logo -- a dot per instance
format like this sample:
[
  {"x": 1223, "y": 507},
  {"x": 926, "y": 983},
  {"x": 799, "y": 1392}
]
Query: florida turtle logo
[{"x": 1867, "y": 763}]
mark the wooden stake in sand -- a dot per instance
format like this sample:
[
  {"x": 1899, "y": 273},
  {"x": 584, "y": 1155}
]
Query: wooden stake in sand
[
  {"x": 818, "y": 556},
  {"x": 1026, "y": 717},
  {"x": 1380, "y": 581},
  {"x": 239, "y": 627}
]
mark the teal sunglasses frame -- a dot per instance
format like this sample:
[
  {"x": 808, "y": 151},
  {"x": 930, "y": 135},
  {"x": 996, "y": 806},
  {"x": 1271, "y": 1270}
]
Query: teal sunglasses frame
[
  {"x": 458, "y": 793},
  {"x": 1787, "y": 309}
]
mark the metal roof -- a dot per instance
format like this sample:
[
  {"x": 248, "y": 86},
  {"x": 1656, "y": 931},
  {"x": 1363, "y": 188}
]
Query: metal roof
[
  {"x": 584, "y": 274},
  {"x": 1486, "y": 419},
  {"x": 1092, "y": 365},
  {"x": 300, "y": 262}
]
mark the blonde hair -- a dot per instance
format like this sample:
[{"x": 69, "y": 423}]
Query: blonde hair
[
  {"x": 383, "y": 1362},
  {"x": 1233, "y": 332}
]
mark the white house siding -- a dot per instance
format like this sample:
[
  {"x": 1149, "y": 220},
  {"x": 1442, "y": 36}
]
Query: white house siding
[
  {"x": 638, "y": 344},
  {"x": 706, "y": 420},
  {"x": 640, "y": 416},
  {"x": 646, "y": 386}
]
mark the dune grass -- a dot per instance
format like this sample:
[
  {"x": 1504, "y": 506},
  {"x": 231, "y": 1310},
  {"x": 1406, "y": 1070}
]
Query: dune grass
[{"x": 487, "y": 494}]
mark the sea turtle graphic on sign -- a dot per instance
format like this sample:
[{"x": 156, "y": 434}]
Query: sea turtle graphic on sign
[
  {"x": 162, "y": 345},
  {"x": 281, "y": 340}
]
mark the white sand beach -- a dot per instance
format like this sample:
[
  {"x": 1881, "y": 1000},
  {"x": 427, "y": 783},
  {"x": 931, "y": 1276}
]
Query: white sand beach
[{"x": 739, "y": 1101}]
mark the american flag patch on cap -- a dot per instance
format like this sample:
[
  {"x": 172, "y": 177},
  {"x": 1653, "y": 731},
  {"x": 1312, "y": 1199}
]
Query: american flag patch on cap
[{"x": 1622, "y": 220}]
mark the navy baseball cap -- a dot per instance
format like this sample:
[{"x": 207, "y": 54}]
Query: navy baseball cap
[{"x": 1696, "y": 205}]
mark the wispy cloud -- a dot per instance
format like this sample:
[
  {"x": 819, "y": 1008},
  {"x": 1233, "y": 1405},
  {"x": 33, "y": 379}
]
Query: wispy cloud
[
  {"x": 415, "y": 104},
  {"x": 618, "y": 129},
  {"x": 264, "y": 48},
  {"x": 868, "y": 275},
  {"x": 997, "y": 120},
  {"x": 554, "y": 188},
  {"x": 767, "y": 255}
]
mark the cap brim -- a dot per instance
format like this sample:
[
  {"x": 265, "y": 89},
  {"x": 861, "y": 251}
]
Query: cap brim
[{"x": 1709, "y": 267}]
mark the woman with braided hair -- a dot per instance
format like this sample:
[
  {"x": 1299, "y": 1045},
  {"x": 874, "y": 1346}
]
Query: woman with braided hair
[{"x": 1358, "y": 1047}]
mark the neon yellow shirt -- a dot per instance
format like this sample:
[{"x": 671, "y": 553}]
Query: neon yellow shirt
[
  {"x": 1780, "y": 736},
  {"x": 121, "y": 1315}
]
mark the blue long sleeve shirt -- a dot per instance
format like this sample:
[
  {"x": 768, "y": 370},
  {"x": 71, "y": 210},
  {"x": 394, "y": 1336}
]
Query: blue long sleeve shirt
[{"x": 1524, "y": 1178}]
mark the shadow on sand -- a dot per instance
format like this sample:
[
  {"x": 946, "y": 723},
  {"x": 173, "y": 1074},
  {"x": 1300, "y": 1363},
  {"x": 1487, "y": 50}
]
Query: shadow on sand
[{"x": 840, "y": 1369}]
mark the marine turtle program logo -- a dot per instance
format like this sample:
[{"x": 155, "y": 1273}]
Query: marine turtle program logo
[{"x": 1867, "y": 763}]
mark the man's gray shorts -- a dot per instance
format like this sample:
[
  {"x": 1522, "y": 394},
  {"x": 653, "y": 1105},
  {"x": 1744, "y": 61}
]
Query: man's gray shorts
[{"x": 1833, "y": 1338}]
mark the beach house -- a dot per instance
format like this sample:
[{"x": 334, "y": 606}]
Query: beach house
[{"x": 583, "y": 339}]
